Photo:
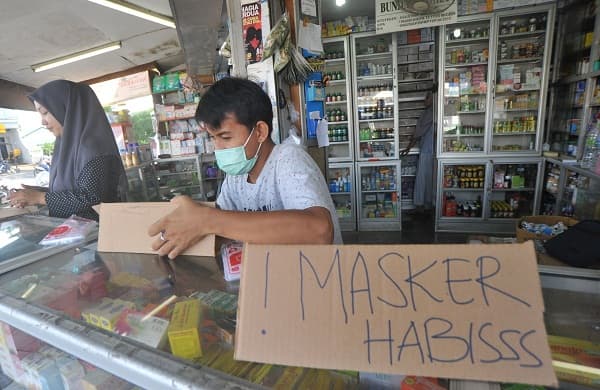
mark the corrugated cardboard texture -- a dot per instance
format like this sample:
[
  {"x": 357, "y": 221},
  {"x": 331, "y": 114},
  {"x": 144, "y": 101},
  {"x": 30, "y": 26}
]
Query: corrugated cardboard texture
[
  {"x": 454, "y": 311},
  {"x": 124, "y": 228}
]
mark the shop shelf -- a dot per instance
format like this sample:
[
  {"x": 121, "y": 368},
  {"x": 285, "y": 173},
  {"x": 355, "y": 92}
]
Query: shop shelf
[
  {"x": 377, "y": 120},
  {"x": 361, "y": 57},
  {"x": 524, "y": 189},
  {"x": 518, "y": 109},
  {"x": 458, "y": 42},
  {"x": 339, "y": 193},
  {"x": 517, "y": 60},
  {"x": 377, "y": 191},
  {"x": 414, "y": 62},
  {"x": 338, "y": 123},
  {"x": 463, "y": 135},
  {"x": 374, "y": 77},
  {"x": 377, "y": 140},
  {"x": 336, "y": 82},
  {"x": 452, "y": 189},
  {"x": 470, "y": 112},
  {"x": 336, "y": 102},
  {"x": 521, "y": 35},
  {"x": 335, "y": 61},
  {"x": 454, "y": 66},
  {"x": 509, "y": 134},
  {"x": 339, "y": 142}
]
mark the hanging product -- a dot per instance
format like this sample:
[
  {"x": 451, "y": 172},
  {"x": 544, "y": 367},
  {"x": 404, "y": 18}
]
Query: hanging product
[{"x": 276, "y": 38}]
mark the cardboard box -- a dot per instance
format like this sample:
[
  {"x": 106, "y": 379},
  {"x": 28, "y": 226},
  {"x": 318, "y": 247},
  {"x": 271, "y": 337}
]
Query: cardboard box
[
  {"x": 523, "y": 235},
  {"x": 124, "y": 228}
]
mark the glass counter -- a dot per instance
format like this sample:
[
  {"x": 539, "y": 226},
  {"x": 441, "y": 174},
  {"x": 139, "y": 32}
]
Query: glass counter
[
  {"x": 92, "y": 305},
  {"x": 20, "y": 237}
]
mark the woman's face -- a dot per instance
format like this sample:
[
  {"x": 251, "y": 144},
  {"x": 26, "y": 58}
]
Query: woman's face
[{"x": 48, "y": 120}]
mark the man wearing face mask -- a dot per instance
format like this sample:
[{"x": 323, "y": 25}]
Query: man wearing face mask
[{"x": 272, "y": 194}]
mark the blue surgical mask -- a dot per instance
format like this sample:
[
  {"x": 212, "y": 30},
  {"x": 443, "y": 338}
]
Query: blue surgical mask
[{"x": 233, "y": 161}]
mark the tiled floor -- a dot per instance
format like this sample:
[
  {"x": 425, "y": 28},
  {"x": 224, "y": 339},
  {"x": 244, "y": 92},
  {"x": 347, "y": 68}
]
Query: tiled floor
[{"x": 416, "y": 229}]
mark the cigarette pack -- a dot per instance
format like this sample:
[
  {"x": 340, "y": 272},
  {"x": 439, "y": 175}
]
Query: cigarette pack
[
  {"x": 183, "y": 333},
  {"x": 152, "y": 332}
]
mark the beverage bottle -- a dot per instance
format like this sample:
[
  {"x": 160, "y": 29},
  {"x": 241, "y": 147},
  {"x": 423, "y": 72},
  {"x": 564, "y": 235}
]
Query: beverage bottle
[{"x": 590, "y": 149}]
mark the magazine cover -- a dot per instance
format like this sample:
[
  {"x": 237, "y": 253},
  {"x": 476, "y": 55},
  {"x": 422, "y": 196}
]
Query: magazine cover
[{"x": 252, "y": 30}]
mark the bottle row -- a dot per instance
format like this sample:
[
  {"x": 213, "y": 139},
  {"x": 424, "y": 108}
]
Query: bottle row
[
  {"x": 521, "y": 50},
  {"x": 372, "y": 90},
  {"x": 379, "y": 178},
  {"x": 339, "y": 75},
  {"x": 526, "y": 124},
  {"x": 454, "y": 208},
  {"x": 340, "y": 184},
  {"x": 375, "y": 112},
  {"x": 523, "y": 25},
  {"x": 522, "y": 101},
  {"x": 373, "y": 69},
  {"x": 465, "y": 130},
  {"x": 366, "y": 134},
  {"x": 336, "y": 115},
  {"x": 335, "y": 97},
  {"x": 338, "y": 134},
  {"x": 473, "y": 33}
]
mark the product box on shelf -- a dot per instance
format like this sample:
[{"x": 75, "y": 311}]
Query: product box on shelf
[
  {"x": 124, "y": 228},
  {"x": 183, "y": 332}
]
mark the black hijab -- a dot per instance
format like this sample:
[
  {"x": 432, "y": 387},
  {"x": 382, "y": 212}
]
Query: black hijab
[{"x": 86, "y": 131}]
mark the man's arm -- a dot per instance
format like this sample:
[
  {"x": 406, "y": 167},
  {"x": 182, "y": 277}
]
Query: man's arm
[{"x": 190, "y": 222}]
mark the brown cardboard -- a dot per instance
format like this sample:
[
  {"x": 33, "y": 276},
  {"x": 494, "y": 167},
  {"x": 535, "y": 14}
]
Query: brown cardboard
[
  {"x": 289, "y": 316},
  {"x": 124, "y": 228}
]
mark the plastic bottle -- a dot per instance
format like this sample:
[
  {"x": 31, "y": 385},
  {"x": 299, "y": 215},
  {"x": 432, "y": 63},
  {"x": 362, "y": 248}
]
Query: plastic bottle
[{"x": 590, "y": 148}]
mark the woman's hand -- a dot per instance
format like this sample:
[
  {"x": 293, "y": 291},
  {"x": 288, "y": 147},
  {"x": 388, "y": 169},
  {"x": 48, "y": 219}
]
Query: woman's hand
[
  {"x": 27, "y": 197},
  {"x": 180, "y": 229}
]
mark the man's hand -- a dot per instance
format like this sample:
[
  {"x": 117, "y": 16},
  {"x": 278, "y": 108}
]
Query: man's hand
[
  {"x": 182, "y": 228},
  {"x": 27, "y": 197}
]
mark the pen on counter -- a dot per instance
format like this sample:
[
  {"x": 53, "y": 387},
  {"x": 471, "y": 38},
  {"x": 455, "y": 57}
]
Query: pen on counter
[{"x": 159, "y": 307}]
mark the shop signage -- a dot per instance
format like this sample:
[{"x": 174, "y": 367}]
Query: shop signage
[
  {"x": 400, "y": 15},
  {"x": 453, "y": 311},
  {"x": 123, "y": 88}
]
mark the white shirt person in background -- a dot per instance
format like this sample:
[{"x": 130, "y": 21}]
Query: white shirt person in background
[{"x": 272, "y": 194}]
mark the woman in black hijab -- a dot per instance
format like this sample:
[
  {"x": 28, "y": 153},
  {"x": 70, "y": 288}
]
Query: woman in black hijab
[{"x": 86, "y": 166}]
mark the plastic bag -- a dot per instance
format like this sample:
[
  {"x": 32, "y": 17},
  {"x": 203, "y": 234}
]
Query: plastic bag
[{"x": 73, "y": 229}]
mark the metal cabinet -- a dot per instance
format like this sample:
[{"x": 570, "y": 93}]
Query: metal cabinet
[
  {"x": 375, "y": 96},
  {"x": 496, "y": 71},
  {"x": 570, "y": 191},
  {"x": 482, "y": 195},
  {"x": 342, "y": 190},
  {"x": 196, "y": 176},
  {"x": 378, "y": 195}
]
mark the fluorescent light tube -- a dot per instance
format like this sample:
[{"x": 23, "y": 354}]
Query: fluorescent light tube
[
  {"x": 135, "y": 10},
  {"x": 76, "y": 56},
  {"x": 339, "y": 3}
]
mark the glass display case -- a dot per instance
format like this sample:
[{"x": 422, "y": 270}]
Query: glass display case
[
  {"x": 142, "y": 183},
  {"x": 463, "y": 189},
  {"x": 378, "y": 195},
  {"x": 513, "y": 190},
  {"x": 338, "y": 99},
  {"x": 465, "y": 81},
  {"x": 97, "y": 307},
  {"x": 341, "y": 187},
  {"x": 212, "y": 177},
  {"x": 20, "y": 237},
  {"x": 521, "y": 76},
  {"x": 196, "y": 176},
  {"x": 575, "y": 93},
  {"x": 486, "y": 195},
  {"x": 575, "y": 192},
  {"x": 375, "y": 96},
  {"x": 77, "y": 317},
  {"x": 408, "y": 175}
]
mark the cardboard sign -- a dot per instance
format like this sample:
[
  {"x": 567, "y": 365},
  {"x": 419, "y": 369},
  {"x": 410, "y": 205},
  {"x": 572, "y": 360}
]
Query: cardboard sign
[
  {"x": 451, "y": 311},
  {"x": 124, "y": 228}
]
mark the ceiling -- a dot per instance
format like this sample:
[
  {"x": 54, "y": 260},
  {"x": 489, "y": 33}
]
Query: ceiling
[{"x": 35, "y": 31}]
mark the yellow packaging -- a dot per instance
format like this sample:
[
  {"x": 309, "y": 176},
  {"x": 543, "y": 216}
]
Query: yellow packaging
[
  {"x": 184, "y": 336},
  {"x": 581, "y": 360}
]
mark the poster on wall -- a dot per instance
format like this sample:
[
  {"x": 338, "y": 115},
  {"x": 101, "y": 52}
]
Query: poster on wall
[
  {"x": 400, "y": 15},
  {"x": 252, "y": 30}
]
